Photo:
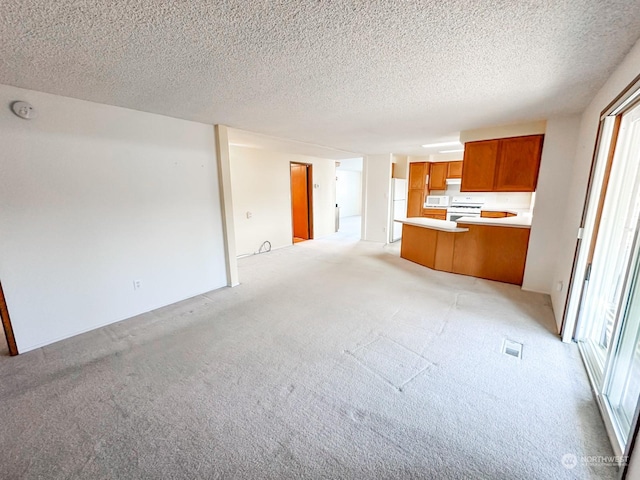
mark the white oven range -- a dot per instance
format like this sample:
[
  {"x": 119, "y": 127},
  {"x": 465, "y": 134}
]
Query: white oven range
[{"x": 462, "y": 206}]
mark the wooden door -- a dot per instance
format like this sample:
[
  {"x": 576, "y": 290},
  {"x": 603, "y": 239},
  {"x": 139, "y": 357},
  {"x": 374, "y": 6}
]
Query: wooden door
[
  {"x": 438, "y": 176},
  {"x": 300, "y": 201},
  {"x": 518, "y": 164},
  {"x": 454, "y": 170},
  {"x": 479, "y": 166},
  {"x": 6, "y": 324}
]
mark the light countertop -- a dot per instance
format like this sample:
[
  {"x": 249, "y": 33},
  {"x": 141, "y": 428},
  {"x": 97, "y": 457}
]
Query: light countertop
[
  {"x": 519, "y": 221},
  {"x": 442, "y": 225}
]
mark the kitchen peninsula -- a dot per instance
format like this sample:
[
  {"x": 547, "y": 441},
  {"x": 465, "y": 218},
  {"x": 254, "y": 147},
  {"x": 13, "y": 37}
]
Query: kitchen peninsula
[{"x": 491, "y": 248}]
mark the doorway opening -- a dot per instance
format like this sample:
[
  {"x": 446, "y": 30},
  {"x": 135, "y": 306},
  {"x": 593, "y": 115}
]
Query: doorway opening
[
  {"x": 301, "y": 201},
  {"x": 349, "y": 197},
  {"x": 6, "y": 325}
]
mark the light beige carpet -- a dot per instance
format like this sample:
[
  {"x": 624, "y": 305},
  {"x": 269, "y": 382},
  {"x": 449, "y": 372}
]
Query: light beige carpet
[{"x": 333, "y": 359}]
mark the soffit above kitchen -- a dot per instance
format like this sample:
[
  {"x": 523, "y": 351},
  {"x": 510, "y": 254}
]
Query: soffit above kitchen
[{"x": 373, "y": 77}]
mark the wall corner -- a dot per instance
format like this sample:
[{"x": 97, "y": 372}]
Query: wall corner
[{"x": 226, "y": 200}]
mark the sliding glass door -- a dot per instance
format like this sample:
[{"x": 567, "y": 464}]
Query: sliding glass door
[
  {"x": 623, "y": 386},
  {"x": 609, "y": 316},
  {"x": 609, "y": 268}
]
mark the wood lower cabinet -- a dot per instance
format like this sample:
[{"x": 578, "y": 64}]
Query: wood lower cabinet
[
  {"x": 415, "y": 203},
  {"x": 494, "y": 253},
  {"x": 502, "y": 165},
  {"x": 454, "y": 170},
  {"x": 479, "y": 166},
  {"x": 428, "y": 247},
  {"x": 484, "y": 251},
  {"x": 438, "y": 176},
  {"x": 435, "y": 213},
  {"x": 485, "y": 214}
]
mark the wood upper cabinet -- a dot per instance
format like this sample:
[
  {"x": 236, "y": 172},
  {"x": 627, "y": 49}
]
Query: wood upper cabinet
[
  {"x": 479, "y": 166},
  {"x": 438, "y": 176},
  {"x": 454, "y": 170},
  {"x": 502, "y": 165},
  {"x": 417, "y": 175},
  {"x": 518, "y": 164},
  {"x": 418, "y": 189}
]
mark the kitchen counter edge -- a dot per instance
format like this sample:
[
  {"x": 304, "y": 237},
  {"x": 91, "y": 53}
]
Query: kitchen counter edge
[
  {"x": 442, "y": 225},
  {"x": 513, "y": 222}
]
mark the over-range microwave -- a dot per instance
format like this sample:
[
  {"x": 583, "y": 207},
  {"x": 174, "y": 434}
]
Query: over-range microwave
[{"x": 436, "y": 201}]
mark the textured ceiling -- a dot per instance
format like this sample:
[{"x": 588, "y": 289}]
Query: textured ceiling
[
  {"x": 244, "y": 138},
  {"x": 363, "y": 76}
]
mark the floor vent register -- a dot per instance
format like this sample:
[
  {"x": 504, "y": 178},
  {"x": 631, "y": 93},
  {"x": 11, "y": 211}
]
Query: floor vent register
[{"x": 514, "y": 349}]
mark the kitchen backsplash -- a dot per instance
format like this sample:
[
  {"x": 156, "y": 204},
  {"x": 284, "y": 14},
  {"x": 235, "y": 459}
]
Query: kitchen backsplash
[{"x": 512, "y": 200}]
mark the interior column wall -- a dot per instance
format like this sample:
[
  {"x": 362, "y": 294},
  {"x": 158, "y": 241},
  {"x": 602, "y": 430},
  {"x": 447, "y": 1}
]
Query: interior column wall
[
  {"x": 376, "y": 186},
  {"x": 558, "y": 152}
]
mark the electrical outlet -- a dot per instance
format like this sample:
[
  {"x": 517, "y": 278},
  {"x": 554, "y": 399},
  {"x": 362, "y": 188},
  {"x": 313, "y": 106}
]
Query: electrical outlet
[
  {"x": 137, "y": 284},
  {"x": 249, "y": 214},
  {"x": 559, "y": 286}
]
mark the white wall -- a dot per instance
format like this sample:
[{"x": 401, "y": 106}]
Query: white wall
[
  {"x": 261, "y": 185},
  {"x": 376, "y": 186},
  {"x": 401, "y": 168},
  {"x": 504, "y": 131},
  {"x": 555, "y": 170},
  {"x": 517, "y": 200},
  {"x": 349, "y": 192},
  {"x": 446, "y": 157},
  {"x": 566, "y": 238},
  {"x": 94, "y": 197}
]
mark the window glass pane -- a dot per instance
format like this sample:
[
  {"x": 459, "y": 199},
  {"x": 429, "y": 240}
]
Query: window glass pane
[{"x": 624, "y": 385}]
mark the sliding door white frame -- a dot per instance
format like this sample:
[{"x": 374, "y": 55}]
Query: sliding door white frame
[
  {"x": 607, "y": 132},
  {"x": 599, "y": 369}
]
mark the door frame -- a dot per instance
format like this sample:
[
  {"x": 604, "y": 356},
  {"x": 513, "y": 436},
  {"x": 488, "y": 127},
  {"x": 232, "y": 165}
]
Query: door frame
[
  {"x": 570, "y": 329},
  {"x": 623, "y": 102},
  {"x": 6, "y": 324},
  {"x": 309, "y": 168}
]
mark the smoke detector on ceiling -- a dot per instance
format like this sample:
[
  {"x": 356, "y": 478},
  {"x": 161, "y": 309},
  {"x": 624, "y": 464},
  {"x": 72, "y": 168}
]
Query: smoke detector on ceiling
[{"x": 23, "y": 109}]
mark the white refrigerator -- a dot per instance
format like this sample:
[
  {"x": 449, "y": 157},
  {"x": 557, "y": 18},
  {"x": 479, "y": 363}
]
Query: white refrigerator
[{"x": 398, "y": 207}]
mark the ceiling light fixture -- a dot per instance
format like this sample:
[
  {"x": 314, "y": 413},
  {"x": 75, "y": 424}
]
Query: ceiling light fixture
[
  {"x": 441, "y": 144},
  {"x": 452, "y": 151}
]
